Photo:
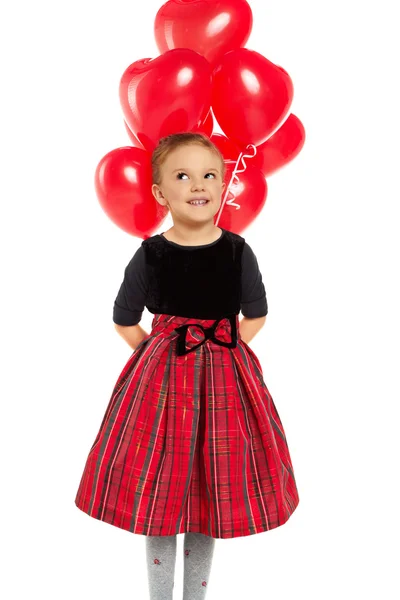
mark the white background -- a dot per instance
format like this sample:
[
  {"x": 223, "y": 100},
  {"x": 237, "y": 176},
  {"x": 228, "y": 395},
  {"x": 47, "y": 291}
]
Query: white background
[{"x": 327, "y": 245}]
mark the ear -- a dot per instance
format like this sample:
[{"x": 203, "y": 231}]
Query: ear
[{"x": 157, "y": 193}]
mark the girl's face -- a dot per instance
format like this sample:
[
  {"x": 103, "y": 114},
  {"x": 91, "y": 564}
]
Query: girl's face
[{"x": 190, "y": 172}]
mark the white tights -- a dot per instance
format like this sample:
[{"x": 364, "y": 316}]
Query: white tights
[{"x": 198, "y": 551}]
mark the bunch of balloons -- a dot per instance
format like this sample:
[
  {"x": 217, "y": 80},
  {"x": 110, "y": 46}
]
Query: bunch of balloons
[{"x": 203, "y": 74}]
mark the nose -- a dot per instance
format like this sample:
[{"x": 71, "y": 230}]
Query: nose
[{"x": 198, "y": 185}]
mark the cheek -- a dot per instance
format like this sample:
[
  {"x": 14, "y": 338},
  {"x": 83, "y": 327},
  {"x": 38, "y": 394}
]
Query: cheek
[{"x": 218, "y": 187}]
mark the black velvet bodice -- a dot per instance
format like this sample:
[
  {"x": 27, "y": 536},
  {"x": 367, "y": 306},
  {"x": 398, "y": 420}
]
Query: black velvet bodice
[{"x": 203, "y": 282}]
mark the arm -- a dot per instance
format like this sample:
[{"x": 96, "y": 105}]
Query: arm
[
  {"x": 130, "y": 301},
  {"x": 254, "y": 306},
  {"x": 248, "y": 328},
  {"x": 132, "y": 334}
]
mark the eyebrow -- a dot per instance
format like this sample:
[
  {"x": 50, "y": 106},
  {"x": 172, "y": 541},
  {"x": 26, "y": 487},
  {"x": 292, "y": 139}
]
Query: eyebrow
[{"x": 183, "y": 169}]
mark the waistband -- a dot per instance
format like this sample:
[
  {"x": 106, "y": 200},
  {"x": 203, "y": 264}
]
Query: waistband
[{"x": 191, "y": 332}]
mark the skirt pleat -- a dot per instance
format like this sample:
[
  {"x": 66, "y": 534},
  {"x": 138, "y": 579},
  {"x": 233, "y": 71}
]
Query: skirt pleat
[{"x": 190, "y": 442}]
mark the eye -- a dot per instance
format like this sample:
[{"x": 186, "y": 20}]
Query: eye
[{"x": 182, "y": 173}]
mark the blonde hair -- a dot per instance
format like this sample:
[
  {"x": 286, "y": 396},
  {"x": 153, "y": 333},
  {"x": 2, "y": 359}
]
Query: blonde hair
[{"x": 169, "y": 143}]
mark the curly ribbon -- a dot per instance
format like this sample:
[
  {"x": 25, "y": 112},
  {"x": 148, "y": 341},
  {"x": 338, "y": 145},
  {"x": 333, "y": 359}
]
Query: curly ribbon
[{"x": 235, "y": 178}]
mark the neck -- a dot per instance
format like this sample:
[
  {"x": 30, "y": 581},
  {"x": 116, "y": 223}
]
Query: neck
[{"x": 195, "y": 234}]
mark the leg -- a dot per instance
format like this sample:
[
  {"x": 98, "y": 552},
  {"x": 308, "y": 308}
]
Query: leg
[
  {"x": 198, "y": 551},
  {"x": 161, "y": 558}
]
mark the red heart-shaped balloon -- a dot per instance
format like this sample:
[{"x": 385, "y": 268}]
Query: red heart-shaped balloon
[
  {"x": 206, "y": 127},
  {"x": 250, "y": 193},
  {"x": 123, "y": 187},
  {"x": 250, "y": 97},
  {"x": 169, "y": 94},
  {"x": 210, "y": 28},
  {"x": 282, "y": 147}
]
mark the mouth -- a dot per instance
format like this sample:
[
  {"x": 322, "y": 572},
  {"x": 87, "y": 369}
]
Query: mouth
[{"x": 198, "y": 202}]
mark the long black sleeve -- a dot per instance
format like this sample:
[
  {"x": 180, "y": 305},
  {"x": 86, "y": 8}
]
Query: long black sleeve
[
  {"x": 254, "y": 301},
  {"x": 130, "y": 301}
]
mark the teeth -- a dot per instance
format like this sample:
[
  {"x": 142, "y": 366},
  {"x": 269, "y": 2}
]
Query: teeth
[{"x": 198, "y": 202}]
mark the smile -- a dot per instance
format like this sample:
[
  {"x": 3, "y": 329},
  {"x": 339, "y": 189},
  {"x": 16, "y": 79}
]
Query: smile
[{"x": 198, "y": 202}]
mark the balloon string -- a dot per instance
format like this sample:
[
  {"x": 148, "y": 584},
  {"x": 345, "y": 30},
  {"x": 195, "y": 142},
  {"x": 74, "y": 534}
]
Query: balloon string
[{"x": 236, "y": 179}]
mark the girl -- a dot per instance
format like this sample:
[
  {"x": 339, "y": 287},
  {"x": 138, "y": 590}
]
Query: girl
[{"x": 191, "y": 441}]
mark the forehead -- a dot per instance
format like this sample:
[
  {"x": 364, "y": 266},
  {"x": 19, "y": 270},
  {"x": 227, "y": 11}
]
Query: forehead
[{"x": 191, "y": 156}]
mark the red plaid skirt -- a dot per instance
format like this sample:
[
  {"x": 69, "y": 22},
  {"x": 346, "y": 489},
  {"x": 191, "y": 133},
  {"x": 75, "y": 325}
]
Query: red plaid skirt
[{"x": 191, "y": 439}]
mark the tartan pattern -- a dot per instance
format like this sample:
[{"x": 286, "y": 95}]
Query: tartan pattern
[{"x": 190, "y": 443}]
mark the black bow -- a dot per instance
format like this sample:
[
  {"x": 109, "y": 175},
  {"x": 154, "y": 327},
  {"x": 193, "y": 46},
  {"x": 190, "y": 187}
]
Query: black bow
[{"x": 181, "y": 348}]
